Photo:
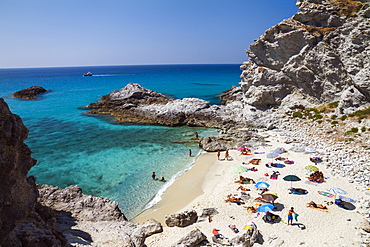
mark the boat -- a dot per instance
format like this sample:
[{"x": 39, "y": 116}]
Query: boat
[{"x": 88, "y": 74}]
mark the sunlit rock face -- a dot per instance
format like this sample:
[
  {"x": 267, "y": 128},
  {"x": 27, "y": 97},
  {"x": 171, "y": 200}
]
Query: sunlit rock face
[{"x": 320, "y": 55}]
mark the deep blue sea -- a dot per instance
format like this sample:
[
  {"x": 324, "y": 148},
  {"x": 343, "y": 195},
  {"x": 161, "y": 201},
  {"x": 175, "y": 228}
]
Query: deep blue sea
[{"x": 103, "y": 157}]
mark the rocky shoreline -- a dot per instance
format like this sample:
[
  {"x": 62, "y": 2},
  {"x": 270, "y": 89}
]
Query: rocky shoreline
[{"x": 319, "y": 56}]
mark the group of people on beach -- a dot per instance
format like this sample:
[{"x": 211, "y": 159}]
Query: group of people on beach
[
  {"x": 159, "y": 179},
  {"x": 227, "y": 155}
]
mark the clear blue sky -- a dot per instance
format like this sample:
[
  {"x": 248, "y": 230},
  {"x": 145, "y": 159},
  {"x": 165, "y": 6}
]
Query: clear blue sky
[{"x": 54, "y": 33}]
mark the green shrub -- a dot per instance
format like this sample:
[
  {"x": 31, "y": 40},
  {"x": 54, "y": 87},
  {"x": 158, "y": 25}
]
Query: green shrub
[
  {"x": 317, "y": 116},
  {"x": 319, "y": 121},
  {"x": 349, "y": 140},
  {"x": 297, "y": 114},
  {"x": 333, "y": 104},
  {"x": 354, "y": 130},
  {"x": 360, "y": 112},
  {"x": 323, "y": 110},
  {"x": 334, "y": 122},
  {"x": 363, "y": 129},
  {"x": 348, "y": 133},
  {"x": 334, "y": 117},
  {"x": 344, "y": 117}
]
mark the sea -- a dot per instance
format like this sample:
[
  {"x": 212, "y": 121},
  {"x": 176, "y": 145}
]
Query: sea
[{"x": 106, "y": 158}]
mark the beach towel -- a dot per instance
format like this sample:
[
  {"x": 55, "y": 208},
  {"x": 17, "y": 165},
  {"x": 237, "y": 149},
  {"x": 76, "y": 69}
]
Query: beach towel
[
  {"x": 296, "y": 216},
  {"x": 324, "y": 193},
  {"x": 259, "y": 152}
]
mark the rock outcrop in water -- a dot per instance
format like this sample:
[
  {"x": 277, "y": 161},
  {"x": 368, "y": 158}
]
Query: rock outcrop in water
[
  {"x": 134, "y": 103},
  {"x": 29, "y": 93}
]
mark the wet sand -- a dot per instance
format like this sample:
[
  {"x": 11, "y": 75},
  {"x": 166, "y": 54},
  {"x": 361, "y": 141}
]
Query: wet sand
[{"x": 184, "y": 190}]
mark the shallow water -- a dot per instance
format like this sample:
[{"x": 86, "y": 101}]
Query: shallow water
[{"x": 103, "y": 157}]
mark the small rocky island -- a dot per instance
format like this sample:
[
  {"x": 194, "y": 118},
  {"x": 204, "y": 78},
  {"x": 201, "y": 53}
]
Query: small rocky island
[{"x": 29, "y": 93}]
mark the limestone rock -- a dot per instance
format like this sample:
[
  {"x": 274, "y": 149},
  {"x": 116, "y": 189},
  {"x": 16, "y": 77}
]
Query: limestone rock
[
  {"x": 19, "y": 193},
  {"x": 365, "y": 225},
  {"x": 29, "y": 93},
  {"x": 182, "y": 219},
  {"x": 81, "y": 206},
  {"x": 320, "y": 55},
  {"x": 151, "y": 227},
  {"x": 22, "y": 221},
  {"x": 193, "y": 238},
  {"x": 246, "y": 238},
  {"x": 134, "y": 103}
]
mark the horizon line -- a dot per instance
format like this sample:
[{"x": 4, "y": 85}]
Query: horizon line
[{"x": 107, "y": 65}]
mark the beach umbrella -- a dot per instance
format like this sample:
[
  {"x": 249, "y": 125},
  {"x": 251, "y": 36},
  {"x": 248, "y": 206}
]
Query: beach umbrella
[
  {"x": 346, "y": 199},
  {"x": 239, "y": 169},
  {"x": 269, "y": 196},
  {"x": 265, "y": 208},
  {"x": 311, "y": 168},
  {"x": 291, "y": 178},
  {"x": 261, "y": 185},
  {"x": 272, "y": 155}
]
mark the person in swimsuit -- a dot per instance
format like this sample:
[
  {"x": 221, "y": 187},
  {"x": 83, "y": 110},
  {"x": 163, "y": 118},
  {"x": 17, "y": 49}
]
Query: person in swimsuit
[{"x": 290, "y": 215}]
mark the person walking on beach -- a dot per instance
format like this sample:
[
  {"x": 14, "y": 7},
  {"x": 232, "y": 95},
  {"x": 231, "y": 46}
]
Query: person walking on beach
[
  {"x": 290, "y": 215},
  {"x": 227, "y": 154},
  {"x": 218, "y": 154},
  {"x": 153, "y": 175}
]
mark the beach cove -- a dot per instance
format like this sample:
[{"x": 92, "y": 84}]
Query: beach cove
[{"x": 215, "y": 180}]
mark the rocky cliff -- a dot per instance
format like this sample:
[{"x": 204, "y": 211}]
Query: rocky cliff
[
  {"x": 50, "y": 216},
  {"x": 18, "y": 192},
  {"x": 318, "y": 56}
]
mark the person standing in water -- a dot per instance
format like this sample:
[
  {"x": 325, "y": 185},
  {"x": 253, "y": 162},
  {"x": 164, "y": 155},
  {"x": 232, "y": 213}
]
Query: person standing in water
[{"x": 153, "y": 175}]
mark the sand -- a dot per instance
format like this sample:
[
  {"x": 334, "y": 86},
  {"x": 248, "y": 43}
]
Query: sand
[{"x": 209, "y": 181}]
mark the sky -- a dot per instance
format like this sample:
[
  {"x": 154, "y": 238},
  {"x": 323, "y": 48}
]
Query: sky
[{"x": 62, "y": 33}]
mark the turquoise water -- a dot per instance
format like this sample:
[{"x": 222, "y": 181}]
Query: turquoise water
[{"x": 103, "y": 157}]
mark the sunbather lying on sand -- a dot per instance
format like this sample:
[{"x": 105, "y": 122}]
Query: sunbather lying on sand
[
  {"x": 297, "y": 191},
  {"x": 243, "y": 180},
  {"x": 234, "y": 199},
  {"x": 313, "y": 204},
  {"x": 242, "y": 188},
  {"x": 259, "y": 199},
  {"x": 251, "y": 209}
]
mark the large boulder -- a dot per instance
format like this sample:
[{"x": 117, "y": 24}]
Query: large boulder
[
  {"x": 246, "y": 238},
  {"x": 193, "y": 238},
  {"x": 29, "y": 93},
  {"x": 81, "y": 206},
  {"x": 182, "y": 219}
]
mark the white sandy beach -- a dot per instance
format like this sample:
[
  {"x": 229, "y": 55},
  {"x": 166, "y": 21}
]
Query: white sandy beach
[{"x": 209, "y": 182}]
